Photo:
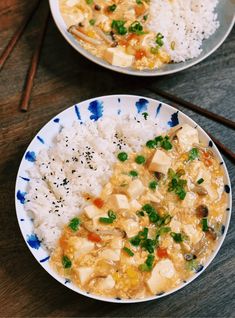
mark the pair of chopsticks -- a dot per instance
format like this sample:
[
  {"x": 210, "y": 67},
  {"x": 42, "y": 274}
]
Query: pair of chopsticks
[
  {"x": 220, "y": 119},
  {"x": 24, "y": 104}
]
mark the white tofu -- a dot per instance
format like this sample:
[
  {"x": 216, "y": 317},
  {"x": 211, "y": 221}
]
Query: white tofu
[
  {"x": 134, "y": 204},
  {"x": 189, "y": 200},
  {"x": 135, "y": 189},
  {"x": 162, "y": 271},
  {"x": 106, "y": 283},
  {"x": 175, "y": 226},
  {"x": 80, "y": 245},
  {"x": 111, "y": 254},
  {"x": 103, "y": 22},
  {"x": 92, "y": 211},
  {"x": 118, "y": 58},
  {"x": 131, "y": 227},
  {"x": 194, "y": 235},
  {"x": 116, "y": 243},
  {"x": 187, "y": 136},
  {"x": 160, "y": 162},
  {"x": 119, "y": 202},
  {"x": 154, "y": 197},
  {"x": 84, "y": 273}
]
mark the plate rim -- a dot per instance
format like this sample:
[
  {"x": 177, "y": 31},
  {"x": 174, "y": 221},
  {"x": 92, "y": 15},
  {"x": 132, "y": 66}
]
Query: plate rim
[
  {"x": 128, "y": 71},
  {"x": 59, "y": 278}
]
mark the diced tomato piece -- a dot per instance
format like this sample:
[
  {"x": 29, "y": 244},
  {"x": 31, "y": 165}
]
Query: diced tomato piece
[
  {"x": 94, "y": 237},
  {"x": 98, "y": 203},
  {"x": 207, "y": 162},
  {"x": 140, "y": 54},
  {"x": 139, "y": 9},
  {"x": 162, "y": 252}
]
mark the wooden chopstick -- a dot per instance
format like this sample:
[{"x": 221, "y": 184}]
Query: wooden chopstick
[
  {"x": 16, "y": 36},
  {"x": 225, "y": 121},
  {"x": 34, "y": 64},
  {"x": 223, "y": 148}
]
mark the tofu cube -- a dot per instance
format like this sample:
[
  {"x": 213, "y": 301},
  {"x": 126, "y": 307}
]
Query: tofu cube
[
  {"x": 119, "y": 202},
  {"x": 134, "y": 204},
  {"x": 194, "y": 235},
  {"x": 160, "y": 162},
  {"x": 131, "y": 227},
  {"x": 162, "y": 271},
  {"x": 118, "y": 58},
  {"x": 135, "y": 189},
  {"x": 187, "y": 136},
  {"x": 175, "y": 226},
  {"x": 84, "y": 273},
  {"x": 80, "y": 245},
  {"x": 111, "y": 254},
  {"x": 92, "y": 211},
  {"x": 106, "y": 283},
  {"x": 116, "y": 243}
]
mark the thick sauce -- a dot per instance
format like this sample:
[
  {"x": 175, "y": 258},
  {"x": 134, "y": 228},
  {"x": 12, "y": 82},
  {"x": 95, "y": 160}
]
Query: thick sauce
[
  {"x": 154, "y": 225},
  {"x": 116, "y": 31}
]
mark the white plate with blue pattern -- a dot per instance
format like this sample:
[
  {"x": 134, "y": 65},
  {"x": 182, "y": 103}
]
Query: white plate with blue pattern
[{"x": 94, "y": 109}]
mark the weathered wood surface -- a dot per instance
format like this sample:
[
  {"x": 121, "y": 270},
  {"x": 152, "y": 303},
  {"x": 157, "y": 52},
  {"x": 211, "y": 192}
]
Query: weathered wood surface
[{"x": 63, "y": 78}]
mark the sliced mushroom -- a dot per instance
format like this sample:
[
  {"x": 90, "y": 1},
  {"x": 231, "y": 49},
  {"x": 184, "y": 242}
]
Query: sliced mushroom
[
  {"x": 73, "y": 30},
  {"x": 200, "y": 190},
  {"x": 104, "y": 37}
]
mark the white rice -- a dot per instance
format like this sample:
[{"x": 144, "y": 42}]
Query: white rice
[
  {"x": 186, "y": 23},
  {"x": 63, "y": 173}
]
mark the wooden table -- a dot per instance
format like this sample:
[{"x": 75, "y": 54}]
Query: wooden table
[{"x": 63, "y": 78}]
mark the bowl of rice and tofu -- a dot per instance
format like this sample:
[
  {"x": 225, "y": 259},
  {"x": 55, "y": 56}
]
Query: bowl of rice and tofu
[
  {"x": 144, "y": 37},
  {"x": 122, "y": 203}
]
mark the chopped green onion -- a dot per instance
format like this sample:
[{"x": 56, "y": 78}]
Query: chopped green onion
[
  {"x": 140, "y": 160},
  {"x": 159, "y": 40},
  {"x": 139, "y": 2},
  {"x": 106, "y": 220},
  {"x": 153, "y": 185},
  {"x": 177, "y": 237},
  {"x": 143, "y": 234},
  {"x": 166, "y": 144},
  {"x": 66, "y": 262},
  {"x": 128, "y": 251},
  {"x": 89, "y": 1},
  {"x": 173, "y": 45},
  {"x": 133, "y": 173},
  {"x": 205, "y": 226},
  {"x": 135, "y": 241},
  {"x": 167, "y": 219},
  {"x": 148, "y": 265},
  {"x": 149, "y": 245},
  {"x": 148, "y": 208},
  {"x": 140, "y": 213},
  {"x": 112, "y": 8},
  {"x": 92, "y": 21},
  {"x": 112, "y": 215},
  {"x": 136, "y": 28},
  {"x": 145, "y": 17},
  {"x": 74, "y": 224},
  {"x": 118, "y": 26},
  {"x": 145, "y": 115},
  {"x": 122, "y": 156},
  {"x": 193, "y": 154},
  {"x": 151, "y": 144},
  {"x": 200, "y": 181}
]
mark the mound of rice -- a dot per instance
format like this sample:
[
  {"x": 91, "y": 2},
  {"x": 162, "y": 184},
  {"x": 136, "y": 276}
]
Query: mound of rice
[
  {"x": 79, "y": 162},
  {"x": 184, "y": 25}
]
